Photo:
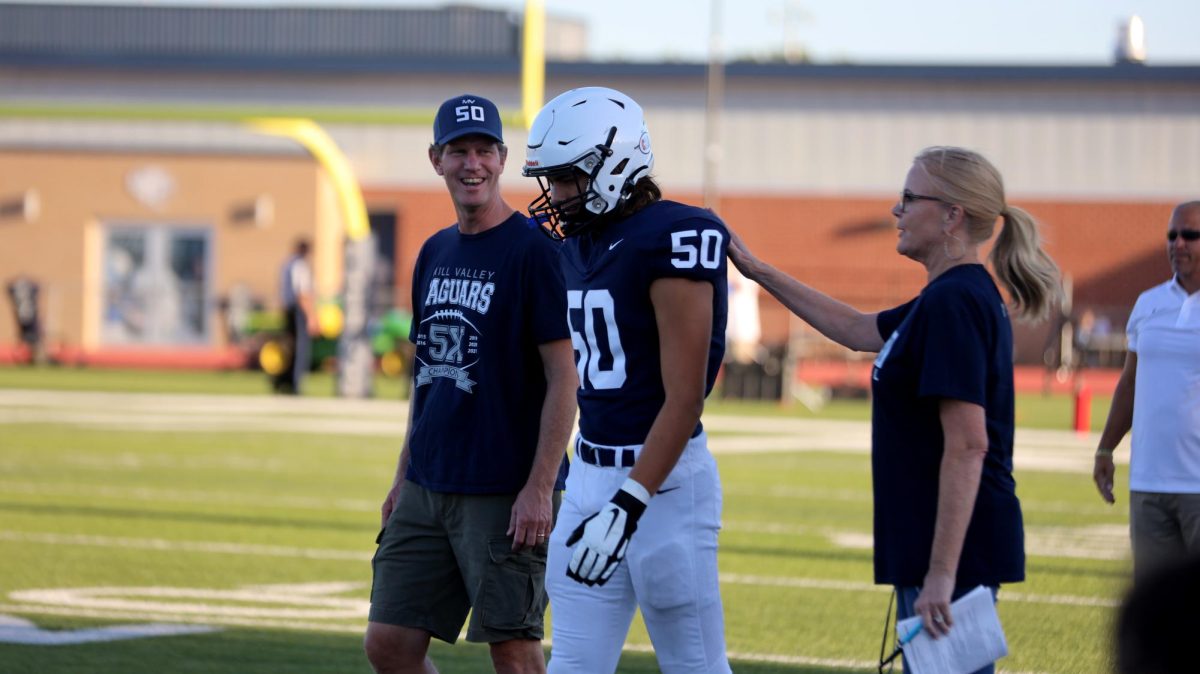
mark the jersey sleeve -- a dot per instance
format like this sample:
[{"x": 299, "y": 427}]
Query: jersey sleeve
[
  {"x": 546, "y": 291},
  {"x": 692, "y": 248},
  {"x": 955, "y": 353}
]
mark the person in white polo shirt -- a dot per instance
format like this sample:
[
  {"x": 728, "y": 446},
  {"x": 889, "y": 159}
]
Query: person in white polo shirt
[{"x": 1158, "y": 395}]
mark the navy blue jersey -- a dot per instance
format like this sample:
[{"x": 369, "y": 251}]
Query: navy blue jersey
[
  {"x": 482, "y": 303},
  {"x": 608, "y": 275},
  {"x": 954, "y": 341}
]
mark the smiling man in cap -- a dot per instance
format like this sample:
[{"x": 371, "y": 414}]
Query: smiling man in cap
[{"x": 477, "y": 486}]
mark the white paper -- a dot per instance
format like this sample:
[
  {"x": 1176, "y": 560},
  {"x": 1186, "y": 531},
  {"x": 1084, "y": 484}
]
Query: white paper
[{"x": 975, "y": 640}]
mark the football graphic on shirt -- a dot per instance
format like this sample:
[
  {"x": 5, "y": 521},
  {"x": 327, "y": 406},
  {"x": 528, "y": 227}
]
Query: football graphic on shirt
[{"x": 447, "y": 347}]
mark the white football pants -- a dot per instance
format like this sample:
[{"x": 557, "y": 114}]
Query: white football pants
[{"x": 670, "y": 573}]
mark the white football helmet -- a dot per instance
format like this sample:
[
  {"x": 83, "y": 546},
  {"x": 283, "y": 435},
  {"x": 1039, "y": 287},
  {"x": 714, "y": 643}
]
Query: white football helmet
[{"x": 597, "y": 135}]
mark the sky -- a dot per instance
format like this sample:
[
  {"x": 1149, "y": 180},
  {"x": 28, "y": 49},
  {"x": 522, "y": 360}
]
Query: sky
[{"x": 1073, "y": 32}]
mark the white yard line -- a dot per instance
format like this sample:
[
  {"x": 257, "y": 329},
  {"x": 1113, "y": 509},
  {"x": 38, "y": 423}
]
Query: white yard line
[
  {"x": 205, "y": 413},
  {"x": 160, "y": 544},
  {"x": 322, "y": 553},
  {"x": 14, "y": 630},
  {"x": 147, "y": 602},
  {"x": 856, "y": 586},
  {"x": 1047, "y": 450},
  {"x": 1100, "y": 541},
  {"x": 203, "y": 423},
  {"x": 169, "y": 495},
  {"x": 358, "y": 627}
]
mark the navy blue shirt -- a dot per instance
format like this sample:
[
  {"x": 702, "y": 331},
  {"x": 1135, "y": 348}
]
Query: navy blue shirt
[
  {"x": 613, "y": 330},
  {"x": 482, "y": 303},
  {"x": 953, "y": 341}
]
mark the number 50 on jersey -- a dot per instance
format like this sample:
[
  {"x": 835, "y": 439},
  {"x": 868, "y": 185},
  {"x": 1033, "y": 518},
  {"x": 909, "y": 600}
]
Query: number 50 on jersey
[{"x": 689, "y": 248}]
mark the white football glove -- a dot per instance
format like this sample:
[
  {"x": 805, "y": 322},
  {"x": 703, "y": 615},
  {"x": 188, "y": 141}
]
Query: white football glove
[{"x": 604, "y": 537}]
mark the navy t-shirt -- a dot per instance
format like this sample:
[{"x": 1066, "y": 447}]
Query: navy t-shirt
[
  {"x": 482, "y": 303},
  {"x": 953, "y": 341},
  {"x": 608, "y": 276}
]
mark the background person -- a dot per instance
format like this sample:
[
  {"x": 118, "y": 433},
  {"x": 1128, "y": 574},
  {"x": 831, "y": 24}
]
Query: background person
[
  {"x": 647, "y": 302},
  {"x": 1158, "y": 395},
  {"x": 299, "y": 317},
  {"x": 477, "y": 484},
  {"x": 947, "y": 516}
]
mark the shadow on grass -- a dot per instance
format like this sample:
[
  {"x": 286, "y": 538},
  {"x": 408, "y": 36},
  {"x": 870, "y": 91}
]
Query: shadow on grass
[
  {"x": 1047, "y": 568},
  {"x": 227, "y": 652},
  {"x": 243, "y": 651}
]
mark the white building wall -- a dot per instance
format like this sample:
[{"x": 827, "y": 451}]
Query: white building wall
[{"x": 1077, "y": 139}]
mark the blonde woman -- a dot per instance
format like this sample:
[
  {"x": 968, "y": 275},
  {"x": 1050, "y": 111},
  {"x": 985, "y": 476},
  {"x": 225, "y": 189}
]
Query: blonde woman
[{"x": 947, "y": 516}]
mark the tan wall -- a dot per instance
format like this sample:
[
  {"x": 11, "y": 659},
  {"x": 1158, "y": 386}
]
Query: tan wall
[{"x": 80, "y": 193}]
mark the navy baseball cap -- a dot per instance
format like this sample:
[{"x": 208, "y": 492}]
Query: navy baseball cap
[{"x": 466, "y": 114}]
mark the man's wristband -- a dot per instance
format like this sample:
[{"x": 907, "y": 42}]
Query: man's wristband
[{"x": 1104, "y": 452}]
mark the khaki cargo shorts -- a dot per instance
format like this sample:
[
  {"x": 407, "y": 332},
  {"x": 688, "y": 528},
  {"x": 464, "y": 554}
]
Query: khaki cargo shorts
[{"x": 442, "y": 554}]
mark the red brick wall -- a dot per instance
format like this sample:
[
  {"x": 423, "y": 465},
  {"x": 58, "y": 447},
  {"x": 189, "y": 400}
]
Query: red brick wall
[{"x": 846, "y": 247}]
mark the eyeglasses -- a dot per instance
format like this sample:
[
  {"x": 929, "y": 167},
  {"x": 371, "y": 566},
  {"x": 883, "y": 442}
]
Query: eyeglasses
[
  {"x": 907, "y": 197},
  {"x": 1187, "y": 234}
]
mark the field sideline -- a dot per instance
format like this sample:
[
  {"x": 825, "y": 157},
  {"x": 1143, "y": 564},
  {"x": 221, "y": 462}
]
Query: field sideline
[{"x": 255, "y": 516}]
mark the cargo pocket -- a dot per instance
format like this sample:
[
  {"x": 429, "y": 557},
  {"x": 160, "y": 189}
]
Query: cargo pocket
[
  {"x": 513, "y": 596},
  {"x": 375, "y": 563}
]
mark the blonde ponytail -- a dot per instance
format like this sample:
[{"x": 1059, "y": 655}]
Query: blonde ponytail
[{"x": 1026, "y": 271}]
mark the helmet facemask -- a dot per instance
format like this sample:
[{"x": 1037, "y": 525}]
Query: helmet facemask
[{"x": 570, "y": 217}]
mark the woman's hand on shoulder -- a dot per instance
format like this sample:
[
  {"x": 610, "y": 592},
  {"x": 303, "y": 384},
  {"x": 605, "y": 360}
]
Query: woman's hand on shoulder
[{"x": 741, "y": 257}]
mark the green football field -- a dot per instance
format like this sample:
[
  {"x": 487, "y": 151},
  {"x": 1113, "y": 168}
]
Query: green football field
[{"x": 250, "y": 520}]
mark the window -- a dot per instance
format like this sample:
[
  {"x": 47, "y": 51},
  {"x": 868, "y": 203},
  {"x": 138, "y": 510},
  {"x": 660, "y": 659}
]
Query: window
[{"x": 156, "y": 285}]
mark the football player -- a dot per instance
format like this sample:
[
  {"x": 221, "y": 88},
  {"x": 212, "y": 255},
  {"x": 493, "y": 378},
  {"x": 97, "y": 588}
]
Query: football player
[{"x": 646, "y": 306}]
